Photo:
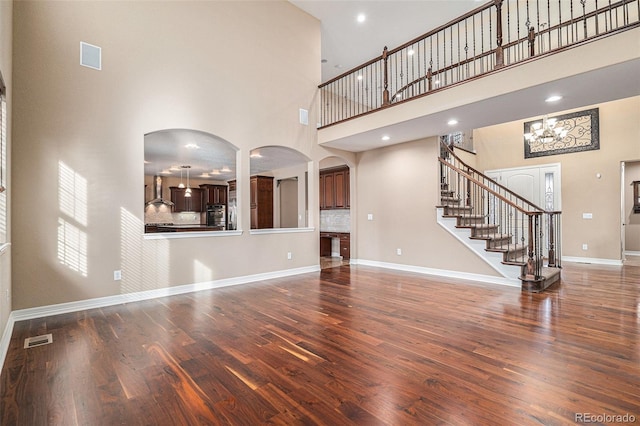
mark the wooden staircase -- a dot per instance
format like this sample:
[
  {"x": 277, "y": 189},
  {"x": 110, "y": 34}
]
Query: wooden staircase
[{"x": 508, "y": 225}]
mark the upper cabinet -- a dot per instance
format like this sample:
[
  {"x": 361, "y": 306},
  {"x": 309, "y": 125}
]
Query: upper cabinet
[
  {"x": 261, "y": 189},
  {"x": 334, "y": 188},
  {"x": 186, "y": 204},
  {"x": 214, "y": 194}
]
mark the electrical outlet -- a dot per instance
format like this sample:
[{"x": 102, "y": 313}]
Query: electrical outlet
[
  {"x": 370, "y": 216},
  {"x": 585, "y": 247},
  {"x": 289, "y": 255},
  {"x": 117, "y": 275},
  {"x": 399, "y": 252}
]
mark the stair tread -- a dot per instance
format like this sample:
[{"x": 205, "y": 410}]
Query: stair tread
[
  {"x": 492, "y": 237},
  {"x": 508, "y": 248}
]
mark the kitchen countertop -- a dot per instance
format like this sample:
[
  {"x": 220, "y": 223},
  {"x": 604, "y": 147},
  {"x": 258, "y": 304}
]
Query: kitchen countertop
[
  {"x": 334, "y": 234},
  {"x": 187, "y": 228}
]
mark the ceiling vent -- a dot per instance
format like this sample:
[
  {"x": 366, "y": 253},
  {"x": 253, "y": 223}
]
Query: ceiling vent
[
  {"x": 32, "y": 342},
  {"x": 90, "y": 56}
]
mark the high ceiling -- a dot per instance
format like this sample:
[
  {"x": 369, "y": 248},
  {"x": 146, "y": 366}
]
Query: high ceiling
[{"x": 347, "y": 43}]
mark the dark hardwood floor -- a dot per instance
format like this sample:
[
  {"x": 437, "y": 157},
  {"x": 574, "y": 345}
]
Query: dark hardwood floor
[{"x": 348, "y": 345}]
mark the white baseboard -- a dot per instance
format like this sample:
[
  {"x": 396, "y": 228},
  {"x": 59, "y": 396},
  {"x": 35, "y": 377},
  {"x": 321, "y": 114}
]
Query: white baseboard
[
  {"x": 100, "y": 302},
  {"x": 490, "y": 279},
  {"x": 631, "y": 253},
  {"x": 594, "y": 260}
]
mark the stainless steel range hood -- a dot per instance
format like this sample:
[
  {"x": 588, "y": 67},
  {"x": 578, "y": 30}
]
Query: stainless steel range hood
[{"x": 157, "y": 193}]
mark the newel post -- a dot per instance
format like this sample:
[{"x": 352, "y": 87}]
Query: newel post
[
  {"x": 385, "y": 93},
  {"x": 530, "y": 267},
  {"x": 552, "y": 250},
  {"x": 499, "y": 49},
  {"x": 532, "y": 38}
]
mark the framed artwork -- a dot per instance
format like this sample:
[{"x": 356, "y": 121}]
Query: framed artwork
[{"x": 580, "y": 132}]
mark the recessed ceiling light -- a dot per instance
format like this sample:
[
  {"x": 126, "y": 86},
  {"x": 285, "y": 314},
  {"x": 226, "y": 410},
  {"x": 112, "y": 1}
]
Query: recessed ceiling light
[
  {"x": 452, "y": 122},
  {"x": 554, "y": 98},
  {"x": 225, "y": 169},
  {"x": 191, "y": 146},
  {"x": 410, "y": 52},
  {"x": 361, "y": 18},
  {"x": 255, "y": 155},
  {"x": 386, "y": 138},
  {"x": 204, "y": 175},
  {"x": 360, "y": 77}
]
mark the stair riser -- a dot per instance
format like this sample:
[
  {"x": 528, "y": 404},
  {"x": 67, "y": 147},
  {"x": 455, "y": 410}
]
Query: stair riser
[
  {"x": 498, "y": 243},
  {"x": 483, "y": 232},
  {"x": 516, "y": 255},
  {"x": 456, "y": 210},
  {"x": 467, "y": 221}
]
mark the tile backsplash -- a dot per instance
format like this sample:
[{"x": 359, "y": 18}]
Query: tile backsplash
[
  {"x": 162, "y": 214},
  {"x": 335, "y": 220}
]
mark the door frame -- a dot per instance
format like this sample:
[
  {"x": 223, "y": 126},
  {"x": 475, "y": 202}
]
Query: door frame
[{"x": 556, "y": 168}]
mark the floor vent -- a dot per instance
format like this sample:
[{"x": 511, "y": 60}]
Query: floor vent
[{"x": 31, "y": 342}]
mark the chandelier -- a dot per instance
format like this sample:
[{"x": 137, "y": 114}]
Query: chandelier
[{"x": 545, "y": 132}]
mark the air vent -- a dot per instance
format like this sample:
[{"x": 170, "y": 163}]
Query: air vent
[
  {"x": 32, "y": 342},
  {"x": 90, "y": 56}
]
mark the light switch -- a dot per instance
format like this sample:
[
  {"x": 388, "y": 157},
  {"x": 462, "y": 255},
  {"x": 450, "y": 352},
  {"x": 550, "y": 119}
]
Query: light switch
[
  {"x": 370, "y": 216},
  {"x": 587, "y": 215}
]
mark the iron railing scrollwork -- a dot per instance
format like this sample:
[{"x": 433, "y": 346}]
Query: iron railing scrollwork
[{"x": 499, "y": 34}]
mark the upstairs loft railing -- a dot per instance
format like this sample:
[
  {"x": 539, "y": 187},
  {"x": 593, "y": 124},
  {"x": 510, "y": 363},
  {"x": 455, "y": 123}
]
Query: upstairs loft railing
[
  {"x": 529, "y": 234},
  {"x": 499, "y": 34}
]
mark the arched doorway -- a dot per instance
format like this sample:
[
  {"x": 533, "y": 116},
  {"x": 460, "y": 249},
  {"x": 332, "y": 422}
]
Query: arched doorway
[{"x": 335, "y": 212}]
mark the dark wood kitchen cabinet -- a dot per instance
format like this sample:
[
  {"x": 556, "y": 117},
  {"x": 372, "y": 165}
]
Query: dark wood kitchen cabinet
[
  {"x": 261, "y": 197},
  {"x": 334, "y": 188},
  {"x": 214, "y": 194},
  {"x": 345, "y": 243},
  {"x": 186, "y": 204},
  {"x": 345, "y": 246}
]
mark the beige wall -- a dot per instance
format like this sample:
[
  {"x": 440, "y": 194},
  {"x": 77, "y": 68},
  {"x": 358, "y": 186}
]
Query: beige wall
[
  {"x": 399, "y": 186},
  {"x": 501, "y": 146},
  {"x": 6, "y": 69},
  {"x": 632, "y": 220},
  {"x": 238, "y": 70}
]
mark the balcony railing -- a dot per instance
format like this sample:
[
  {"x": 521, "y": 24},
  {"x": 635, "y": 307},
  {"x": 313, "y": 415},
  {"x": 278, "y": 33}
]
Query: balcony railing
[{"x": 499, "y": 34}]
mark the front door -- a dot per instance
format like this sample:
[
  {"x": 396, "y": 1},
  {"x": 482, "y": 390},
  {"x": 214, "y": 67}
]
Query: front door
[{"x": 539, "y": 185}]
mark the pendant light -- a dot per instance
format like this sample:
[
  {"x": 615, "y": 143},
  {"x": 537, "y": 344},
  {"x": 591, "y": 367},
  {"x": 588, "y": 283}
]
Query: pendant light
[
  {"x": 187, "y": 192},
  {"x": 181, "y": 185}
]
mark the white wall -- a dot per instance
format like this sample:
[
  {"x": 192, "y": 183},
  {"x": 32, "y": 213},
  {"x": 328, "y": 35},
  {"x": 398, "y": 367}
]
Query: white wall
[{"x": 238, "y": 70}]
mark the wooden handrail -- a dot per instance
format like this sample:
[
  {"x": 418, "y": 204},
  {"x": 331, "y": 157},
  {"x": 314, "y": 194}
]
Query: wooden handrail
[
  {"x": 409, "y": 43},
  {"x": 492, "y": 191},
  {"x": 496, "y": 183},
  {"x": 494, "y": 57}
]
